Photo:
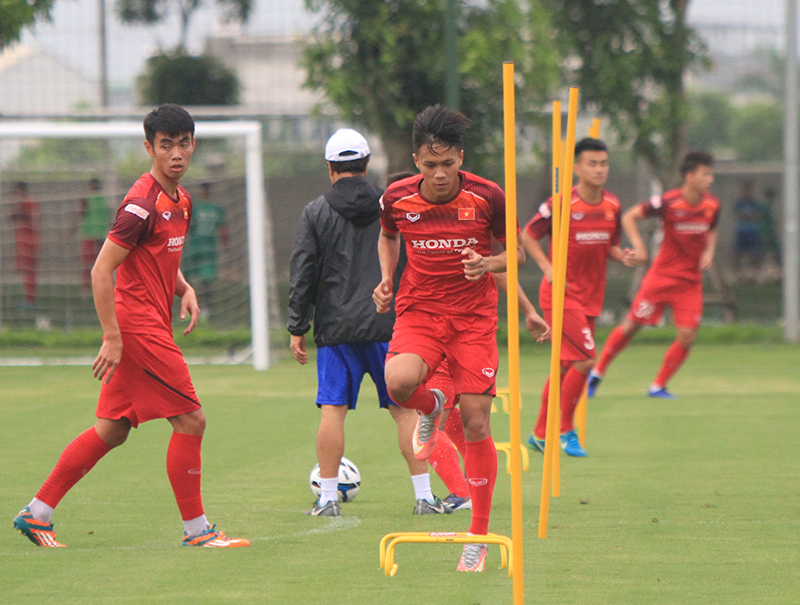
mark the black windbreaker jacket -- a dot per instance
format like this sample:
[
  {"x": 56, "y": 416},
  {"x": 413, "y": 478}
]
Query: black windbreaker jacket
[{"x": 335, "y": 268}]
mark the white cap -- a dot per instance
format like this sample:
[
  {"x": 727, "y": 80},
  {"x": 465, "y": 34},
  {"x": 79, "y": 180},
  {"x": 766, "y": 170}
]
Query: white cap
[{"x": 346, "y": 145}]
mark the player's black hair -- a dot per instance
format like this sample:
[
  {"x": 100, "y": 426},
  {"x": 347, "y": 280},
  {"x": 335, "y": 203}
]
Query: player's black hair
[
  {"x": 94, "y": 183},
  {"x": 21, "y": 186},
  {"x": 353, "y": 166},
  {"x": 438, "y": 125},
  {"x": 171, "y": 120},
  {"x": 694, "y": 159},
  {"x": 398, "y": 176},
  {"x": 589, "y": 144}
]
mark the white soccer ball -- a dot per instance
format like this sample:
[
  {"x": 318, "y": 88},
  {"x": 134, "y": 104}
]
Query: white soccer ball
[{"x": 349, "y": 480}]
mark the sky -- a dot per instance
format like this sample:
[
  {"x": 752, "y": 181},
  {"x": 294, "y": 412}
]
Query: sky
[{"x": 72, "y": 35}]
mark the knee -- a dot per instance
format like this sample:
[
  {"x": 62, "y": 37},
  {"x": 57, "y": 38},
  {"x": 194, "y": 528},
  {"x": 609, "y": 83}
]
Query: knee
[
  {"x": 477, "y": 427},
  {"x": 190, "y": 424},
  {"x": 401, "y": 385},
  {"x": 112, "y": 435},
  {"x": 686, "y": 338}
]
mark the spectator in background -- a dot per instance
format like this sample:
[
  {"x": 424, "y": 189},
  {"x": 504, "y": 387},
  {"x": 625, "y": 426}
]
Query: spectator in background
[
  {"x": 752, "y": 223},
  {"x": 93, "y": 229},
  {"x": 26, "y": 221},
  {"x": 207, "y": 230}
]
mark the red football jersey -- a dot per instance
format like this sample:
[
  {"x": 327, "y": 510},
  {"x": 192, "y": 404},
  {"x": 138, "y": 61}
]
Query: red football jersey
[
  {"x": 593, "y": 229},
  {"x": 435, "y": 235},
  {"x": 153, "y": 226},
  {"x": 686, "y": 228}
]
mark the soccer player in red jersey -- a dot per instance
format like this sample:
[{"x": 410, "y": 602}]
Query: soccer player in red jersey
[
  {"x": 143, "y": 373},
  {"x": 25, "y": 218},
  {"x": 446, "y": 303},
  {"x": 675, "y": 278},
  {"x": 594, "y": 237}
]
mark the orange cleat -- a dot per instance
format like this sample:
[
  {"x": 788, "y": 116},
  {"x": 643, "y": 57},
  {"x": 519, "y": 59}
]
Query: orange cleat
[
  {"x": 38, "y": 532},
  {"x": 214, "y": 538}
]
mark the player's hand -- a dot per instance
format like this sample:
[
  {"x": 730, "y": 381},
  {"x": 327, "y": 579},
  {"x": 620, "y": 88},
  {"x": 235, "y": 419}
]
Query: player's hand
[
  {"x": 706, "y": 260},
  {"x": 639, "y": 255},
  {"x": 382, "y": 296},
  {"x": 474, "y": 265},
  {"x": 297, "y": 345},
  {"x": 537, "y": 326},
  {"x": 189, "y": 305},
  {"x": 107, "y": 360},
  {"x": 548, "y": 274},
  {"x": 628, "y": 257}
]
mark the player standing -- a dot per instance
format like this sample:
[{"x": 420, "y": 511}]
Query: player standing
[
  {"x": 447, "y": 301},
  {"x": 25, "y": 218},
  {"x": 675, "y": 279},
  {"x": 333, "y": 269},
  {"x": 594, "y": 237},
  {"x": 143, "y": 372}
]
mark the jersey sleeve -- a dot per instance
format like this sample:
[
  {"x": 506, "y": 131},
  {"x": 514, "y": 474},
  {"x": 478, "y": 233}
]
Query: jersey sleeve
[
  {"x": 542, "y": 222},
  {"x": 387, "y": 220},
  {"x": 616, "y": 237},
  {"x": 653, "y": 207},
  {"x": 497, "y": 223},
  {"x": 135, "y": 222},
  {"x": 715, "y": 219}
]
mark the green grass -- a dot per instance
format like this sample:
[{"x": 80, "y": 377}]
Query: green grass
[{"x": 684, "y": 502}]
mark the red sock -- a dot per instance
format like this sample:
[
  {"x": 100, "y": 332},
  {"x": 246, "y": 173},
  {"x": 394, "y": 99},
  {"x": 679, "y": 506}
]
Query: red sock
[
  {"x": 445, "y": 462},
  {"x": 455, "y": 430},
  {"x": 422, "y": 399},
  {"x": 676, "y": 355},
  {"x": 541, "y": 424},
  {"x": 616, "y": 342},
  {"x": 571, "y": 391},
  {"x": 77, "y": 459},
  {"x": 481, "y": 467},
  {"x": 183, "y": 470}
]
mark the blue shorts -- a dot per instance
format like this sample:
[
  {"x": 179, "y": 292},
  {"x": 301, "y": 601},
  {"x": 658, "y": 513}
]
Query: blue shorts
[{"x": 341, "y": 368}]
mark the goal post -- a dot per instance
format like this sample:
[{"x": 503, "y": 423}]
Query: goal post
[{"x": 258, "y": 233}]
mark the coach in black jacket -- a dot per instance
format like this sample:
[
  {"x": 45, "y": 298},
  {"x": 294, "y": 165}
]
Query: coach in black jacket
[{"x": 333, "y": 271}]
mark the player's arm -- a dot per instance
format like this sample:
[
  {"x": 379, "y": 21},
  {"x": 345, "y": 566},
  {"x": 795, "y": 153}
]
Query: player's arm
[
  {"x": 538, "y": 254},
  {"x": 304, "y": 276},
  {"x": 707, "y": 258},
  {"x": 110, "y": 257},
  {"x": 536, "y": 325},
  {"x": 625, "y": 256},
  {"x": 188, "y": 302},
  {"x": 389, "y": 255},
  {"x": 475, "y": 265},
  {"x": 630, "y": 225}
]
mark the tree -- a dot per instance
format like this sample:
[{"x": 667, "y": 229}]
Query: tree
[
  {"x": 153, "y": 11},
  {"x": 630, "y": 59},
  {"x": 15, "y": 15},
  {"x": 709, "y": 120},
  {"x": 187, "y": 80},
  {"x": 381, "y": 62}
]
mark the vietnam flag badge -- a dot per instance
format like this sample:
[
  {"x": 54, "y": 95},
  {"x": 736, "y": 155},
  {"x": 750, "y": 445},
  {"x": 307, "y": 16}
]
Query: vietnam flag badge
[{"x": 466, "y": 214}]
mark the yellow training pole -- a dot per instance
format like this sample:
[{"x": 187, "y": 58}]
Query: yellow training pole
[
  {"x": 560, "y": 241},
  {"x": 509, "y": 128},
  {"x": 594, "y": 129},
  {"x": 583, "y": 404}
]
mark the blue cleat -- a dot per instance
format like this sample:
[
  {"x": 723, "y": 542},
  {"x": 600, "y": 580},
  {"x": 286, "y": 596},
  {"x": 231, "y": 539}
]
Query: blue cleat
[
  {"x": 594, "y": 382},
  {"x": 536, "y": 444},
  {"x": 661, "y": 393},
  {"x": 572, "y": 446}
]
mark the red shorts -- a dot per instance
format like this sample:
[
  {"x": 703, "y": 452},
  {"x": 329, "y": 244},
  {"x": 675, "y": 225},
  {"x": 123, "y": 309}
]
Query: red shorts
[
  {"x": 151, "y": 381},
  {"x": 577, "y": 341},
  {"x": 685, "y": 299},
  {"x": 442, "y": 380},
  {"x": 468, "y": 343}
]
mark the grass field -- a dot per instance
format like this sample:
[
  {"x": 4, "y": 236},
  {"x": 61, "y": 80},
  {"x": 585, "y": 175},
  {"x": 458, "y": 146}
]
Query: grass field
[{"x": 685, "y": 502}]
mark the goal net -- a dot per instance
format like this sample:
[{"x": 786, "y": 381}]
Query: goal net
[{"x": 60, "y": 186}]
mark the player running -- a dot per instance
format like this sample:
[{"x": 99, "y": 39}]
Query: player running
[
  {"x": 675, "y": 279},
  {"x": 143, "y": 373},
  {"x": 447, "y": 302},
  {"x": 594, "y": 237}
]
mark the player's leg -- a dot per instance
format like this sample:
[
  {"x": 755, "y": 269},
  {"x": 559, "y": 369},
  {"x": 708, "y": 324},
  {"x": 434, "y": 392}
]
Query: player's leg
[
  {"x": 77, "y": 459},
  {"x": 571, "y": 390},
  {"x": 330, "y": 449},
  {"x": 687, "y": 311},
  {"x": 619, "y": 338},
  {"x": 454, "y": 427}
]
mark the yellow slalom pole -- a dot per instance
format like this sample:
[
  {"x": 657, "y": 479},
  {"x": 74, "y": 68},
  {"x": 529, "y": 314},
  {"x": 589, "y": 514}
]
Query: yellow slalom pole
[
  {"x": 594, "y": 129},
  {"x": 509, "y": 128},
  {"x": 559, "y": 285},
  {"x": 581, "y": 411}
]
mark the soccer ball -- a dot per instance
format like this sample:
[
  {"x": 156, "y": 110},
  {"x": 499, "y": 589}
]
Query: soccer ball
[{"x": 349, "y": 481}]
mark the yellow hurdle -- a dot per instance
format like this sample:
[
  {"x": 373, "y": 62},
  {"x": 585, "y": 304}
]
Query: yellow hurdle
[{"x": 562, "y": 192}]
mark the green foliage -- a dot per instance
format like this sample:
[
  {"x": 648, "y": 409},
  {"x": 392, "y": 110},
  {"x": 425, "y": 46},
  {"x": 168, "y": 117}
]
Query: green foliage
[
  {"x": 710, "y": 115},
  {"x": 629, "y": 58},
  {"x": 153, "y": 11},
  {"x": 15, "y": 15},
  {"x": 188, "y": 80},
  {"x": 757, "y": 131},
  {"x": 380, "y": 63},
  {"x": 54, "y": 154}
]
